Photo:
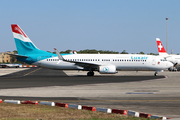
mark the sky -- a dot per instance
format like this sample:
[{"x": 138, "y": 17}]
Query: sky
[{"x": 115, "y": 25}]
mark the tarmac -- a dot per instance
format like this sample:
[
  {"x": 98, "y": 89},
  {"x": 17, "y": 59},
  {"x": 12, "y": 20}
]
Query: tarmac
[{"x": 130, "y": 90}]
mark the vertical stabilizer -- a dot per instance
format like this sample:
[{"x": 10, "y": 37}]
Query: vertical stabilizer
[
  {"x": 23, "y": 44},
  {"x": 160, "y": 47}
]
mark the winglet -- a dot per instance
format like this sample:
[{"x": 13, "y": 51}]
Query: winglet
[{"x": 58, "y": 54}]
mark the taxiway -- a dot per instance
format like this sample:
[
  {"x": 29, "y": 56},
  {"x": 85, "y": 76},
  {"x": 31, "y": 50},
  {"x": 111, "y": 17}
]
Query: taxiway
[{"x": 138, "y": 91}]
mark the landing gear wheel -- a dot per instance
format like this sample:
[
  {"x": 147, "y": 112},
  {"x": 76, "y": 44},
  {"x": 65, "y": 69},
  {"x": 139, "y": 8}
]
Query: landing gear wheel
[
  {"x": 90, "y": 73},
  {"x": 155, "y": 74}
]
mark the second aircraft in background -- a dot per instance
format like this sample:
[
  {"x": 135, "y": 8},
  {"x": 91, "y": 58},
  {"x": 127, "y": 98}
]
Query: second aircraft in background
[{"x": 175, "y": 59}]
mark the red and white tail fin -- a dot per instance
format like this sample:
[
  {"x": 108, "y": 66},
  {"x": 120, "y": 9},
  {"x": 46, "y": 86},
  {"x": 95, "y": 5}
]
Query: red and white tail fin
[
  {"x": 23, "y": 43},
  {"x": 16, "y": 29},
  {"x": 19, "y": 34},
  {"x": 160, "y": 47}
]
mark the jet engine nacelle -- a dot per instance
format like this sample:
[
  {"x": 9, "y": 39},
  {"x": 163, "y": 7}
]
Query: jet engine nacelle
[{"x": 111, "y": 69}]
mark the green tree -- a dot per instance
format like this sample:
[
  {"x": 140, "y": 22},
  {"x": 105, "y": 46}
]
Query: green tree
[
  {"x": 67, "y": 51},
  {"x": 124, "y": 52},
  {"x": 93, "y": 51},
  {"x": 152, "y": 54},
  {"x": 15, "y": 52},
  {"x": 141, "y": 53}
]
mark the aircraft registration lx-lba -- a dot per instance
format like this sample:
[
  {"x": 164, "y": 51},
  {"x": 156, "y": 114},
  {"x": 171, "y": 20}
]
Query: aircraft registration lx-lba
[{"x": 103, "y": 63}]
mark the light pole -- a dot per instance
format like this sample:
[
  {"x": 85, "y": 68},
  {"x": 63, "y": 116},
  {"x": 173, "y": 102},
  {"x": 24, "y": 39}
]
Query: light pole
[{"x": 167, "y": 35}]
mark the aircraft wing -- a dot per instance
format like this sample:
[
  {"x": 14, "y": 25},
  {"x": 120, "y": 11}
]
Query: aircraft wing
[
  {"x": 21, "y": 56},
  {"x": 81, "y": 64}
]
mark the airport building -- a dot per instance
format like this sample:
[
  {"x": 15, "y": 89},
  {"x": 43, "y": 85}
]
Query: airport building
[{"x": 5, "y": 58}]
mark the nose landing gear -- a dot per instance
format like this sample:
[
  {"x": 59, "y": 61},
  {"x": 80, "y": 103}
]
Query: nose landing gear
[{"x": 156, "y": 73}]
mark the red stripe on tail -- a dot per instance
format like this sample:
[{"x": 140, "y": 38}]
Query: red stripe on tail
[{"x": 17, "y": 29}]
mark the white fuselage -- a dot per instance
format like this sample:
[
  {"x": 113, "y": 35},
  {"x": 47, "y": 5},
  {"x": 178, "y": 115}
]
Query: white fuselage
[{"x": 132, "y": 62}]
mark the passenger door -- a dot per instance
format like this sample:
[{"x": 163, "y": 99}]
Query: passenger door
[{"x": 153, "y": 61}]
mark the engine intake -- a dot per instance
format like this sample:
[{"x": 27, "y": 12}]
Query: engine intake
[{"x": 111, "y": 69}]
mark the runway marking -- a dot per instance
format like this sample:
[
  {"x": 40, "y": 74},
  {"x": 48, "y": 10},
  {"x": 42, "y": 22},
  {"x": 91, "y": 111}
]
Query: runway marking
[
  {"x": 139, "y": 93},
  {"x": 118, "y": 100},
  {"x": 146, "y": 90},
  {"x": 31, "y": 72}
]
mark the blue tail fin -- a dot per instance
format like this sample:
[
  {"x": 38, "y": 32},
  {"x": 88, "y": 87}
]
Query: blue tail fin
[{"x": 23, "y": 44}]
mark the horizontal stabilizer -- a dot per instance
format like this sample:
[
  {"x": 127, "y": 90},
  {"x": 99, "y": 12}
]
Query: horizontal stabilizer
[{"x": 20, "y": 56}]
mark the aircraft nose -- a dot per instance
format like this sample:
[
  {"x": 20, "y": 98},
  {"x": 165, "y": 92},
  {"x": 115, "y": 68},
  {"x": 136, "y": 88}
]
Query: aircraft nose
[{"x": 169, "y": 64}]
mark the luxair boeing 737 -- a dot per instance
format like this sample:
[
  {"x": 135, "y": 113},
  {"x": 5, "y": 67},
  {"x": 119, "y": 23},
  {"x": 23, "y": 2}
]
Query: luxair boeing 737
[{"x": 103, "y": 63}]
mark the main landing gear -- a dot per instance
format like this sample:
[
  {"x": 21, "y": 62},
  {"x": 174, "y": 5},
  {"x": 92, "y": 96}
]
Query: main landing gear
[{"x": 90, "y": 73}]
